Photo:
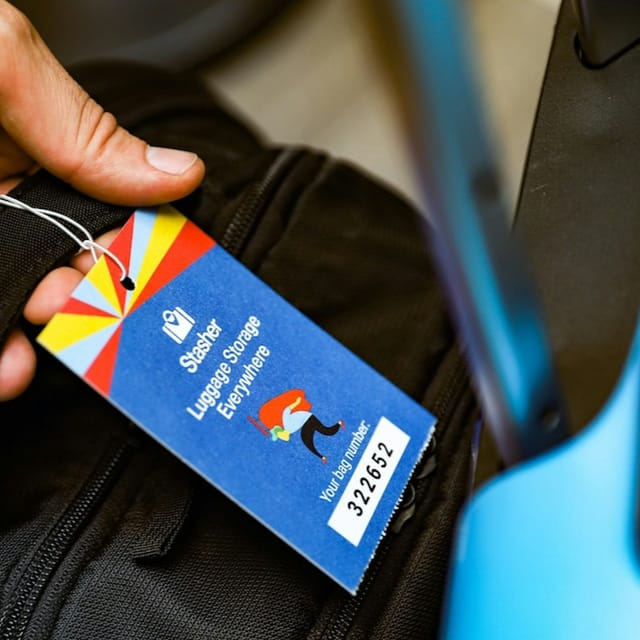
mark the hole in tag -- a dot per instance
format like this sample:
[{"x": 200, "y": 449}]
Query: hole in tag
[{"x": 128, "y": 283}]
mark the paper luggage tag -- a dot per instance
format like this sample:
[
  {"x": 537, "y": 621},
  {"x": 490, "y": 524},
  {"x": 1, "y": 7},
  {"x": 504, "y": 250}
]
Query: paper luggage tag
[{"x": 244, "y": 389}]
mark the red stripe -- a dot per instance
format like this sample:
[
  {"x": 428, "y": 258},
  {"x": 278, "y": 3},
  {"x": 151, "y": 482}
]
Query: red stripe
[
  {"x": 121, "y": 246},
  {"x": 100, "y": 373},
  {"x": 84, "y": 309}
]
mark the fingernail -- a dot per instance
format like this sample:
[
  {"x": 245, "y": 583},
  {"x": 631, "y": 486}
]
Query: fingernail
[{"x": 171, "y": 161}]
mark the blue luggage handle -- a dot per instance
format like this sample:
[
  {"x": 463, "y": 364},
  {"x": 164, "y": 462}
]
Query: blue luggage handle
[
  {"x": 549, "y": 548},
  {"x": 492, "y": 298}
]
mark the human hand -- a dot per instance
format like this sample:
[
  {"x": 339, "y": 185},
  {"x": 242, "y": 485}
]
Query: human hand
[{"x": 48, "y": 120}]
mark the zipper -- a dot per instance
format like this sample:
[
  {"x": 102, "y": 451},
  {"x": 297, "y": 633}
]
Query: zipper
[
  {"x": 344, "y": 619},
  {"x": 17, "y": 615},
  {"x": 254, "y": 201},
  {"x": 444, "y": 407},
  {"x": 455, "y": 382}
]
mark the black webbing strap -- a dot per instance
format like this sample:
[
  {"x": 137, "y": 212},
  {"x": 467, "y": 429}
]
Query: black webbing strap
[{"x": 30, "y": 247}]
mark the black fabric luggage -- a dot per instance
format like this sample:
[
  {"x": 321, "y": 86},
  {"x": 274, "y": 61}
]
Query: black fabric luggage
[{"x": 103, "y": 534}]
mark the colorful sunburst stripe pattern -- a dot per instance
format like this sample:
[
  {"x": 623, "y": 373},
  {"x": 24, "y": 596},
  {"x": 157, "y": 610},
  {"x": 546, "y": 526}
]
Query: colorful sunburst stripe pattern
[{"x": 155, "y": 246}]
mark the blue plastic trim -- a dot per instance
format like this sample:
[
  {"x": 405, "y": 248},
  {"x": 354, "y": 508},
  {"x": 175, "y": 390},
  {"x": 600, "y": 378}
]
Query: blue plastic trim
[
  {"x": 493, "y": 299},
  {"x": 548, "y": 549}
]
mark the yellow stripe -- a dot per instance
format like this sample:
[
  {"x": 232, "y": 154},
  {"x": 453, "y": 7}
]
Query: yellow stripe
[
  {"x": 101, "y": 279},
  {"x": 66, "y": 329},
  {"x": 166, "y": 228}
]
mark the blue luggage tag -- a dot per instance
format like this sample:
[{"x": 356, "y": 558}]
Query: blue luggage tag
[{"x": 243, "y": 388}]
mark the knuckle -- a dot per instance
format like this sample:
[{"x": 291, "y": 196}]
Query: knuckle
[
  {"x": 95, "y": 132},
  {"x": 99, "y": 129}
]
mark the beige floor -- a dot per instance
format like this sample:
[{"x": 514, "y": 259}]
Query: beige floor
[{"x": 311, "y": 79}]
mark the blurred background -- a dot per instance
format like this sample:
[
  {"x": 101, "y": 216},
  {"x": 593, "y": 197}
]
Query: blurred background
[
  {"x": 305, "y": 71},
  {"x": 313, "y": 78}
]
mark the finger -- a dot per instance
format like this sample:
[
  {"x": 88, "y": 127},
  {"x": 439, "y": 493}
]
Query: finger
[
  {"x": 17, "y": 365},
  {"x": 56, "y": 123},
  {"x": 84, "y": 260},
  {"x": 13, "y": 160},
  {"x": 51, "y": 294},
  {"x": 9, "y": 183}
]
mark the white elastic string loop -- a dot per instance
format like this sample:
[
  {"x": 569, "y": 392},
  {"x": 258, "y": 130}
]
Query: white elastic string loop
[
  {"x": 46, "y": 214},
  {"x": 55, "y": 218}
]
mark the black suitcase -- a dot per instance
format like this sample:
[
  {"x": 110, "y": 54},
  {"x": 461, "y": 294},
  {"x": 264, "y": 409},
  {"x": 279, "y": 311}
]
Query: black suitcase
[{"x": 103, "y": 533}]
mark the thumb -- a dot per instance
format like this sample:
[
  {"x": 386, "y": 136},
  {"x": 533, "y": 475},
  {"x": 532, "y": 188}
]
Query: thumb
[{"x": 55, "y": 122}]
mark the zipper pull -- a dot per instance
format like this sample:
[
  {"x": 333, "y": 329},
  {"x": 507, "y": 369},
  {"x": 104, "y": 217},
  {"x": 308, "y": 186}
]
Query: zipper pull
[
  {"x": 429, "y": 463},
  {"x": 407, "y": 507}
]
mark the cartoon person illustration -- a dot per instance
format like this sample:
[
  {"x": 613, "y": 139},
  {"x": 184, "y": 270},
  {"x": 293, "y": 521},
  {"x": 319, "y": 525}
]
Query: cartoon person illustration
[{"x": 290, "y": 412}]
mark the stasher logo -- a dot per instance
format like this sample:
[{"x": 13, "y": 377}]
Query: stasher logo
[{"x": 177, "y": 324}]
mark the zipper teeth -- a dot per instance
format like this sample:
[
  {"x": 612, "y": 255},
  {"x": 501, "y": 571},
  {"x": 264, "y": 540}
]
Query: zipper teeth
[
  {"x": 444, "y": 405},
  {"x": 343, "y": 621},
  {"x": 16, "y": 617},
  {"x": 455, "y": 382},
  {"x": 252, "y": 203}
]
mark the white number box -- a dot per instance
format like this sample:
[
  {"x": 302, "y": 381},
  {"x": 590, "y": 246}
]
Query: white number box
[{"x": 386, "y": 446}]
